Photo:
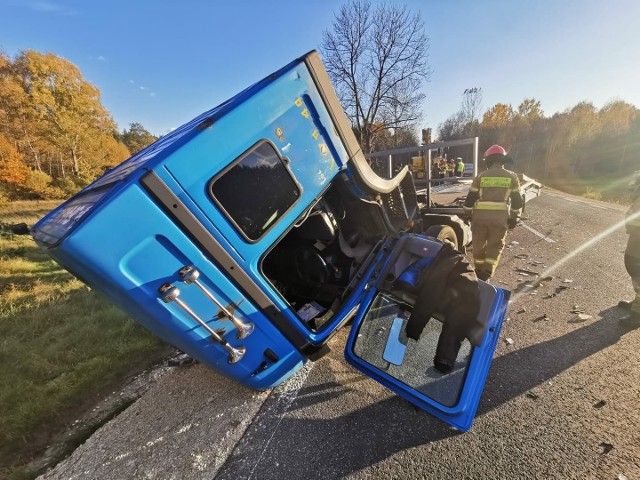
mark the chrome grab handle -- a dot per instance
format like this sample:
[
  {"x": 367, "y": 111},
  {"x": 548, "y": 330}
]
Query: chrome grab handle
[
  {"x": 169, "y": 293},
  {"x": 189, "y": 274}
]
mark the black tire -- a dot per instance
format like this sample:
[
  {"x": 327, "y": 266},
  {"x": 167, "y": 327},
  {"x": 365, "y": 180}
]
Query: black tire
[{"x": 444, "y": 233}]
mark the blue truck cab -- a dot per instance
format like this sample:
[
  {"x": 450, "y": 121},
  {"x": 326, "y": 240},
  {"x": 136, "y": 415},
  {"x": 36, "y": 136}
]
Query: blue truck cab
[{"x": 250, "y": 235}]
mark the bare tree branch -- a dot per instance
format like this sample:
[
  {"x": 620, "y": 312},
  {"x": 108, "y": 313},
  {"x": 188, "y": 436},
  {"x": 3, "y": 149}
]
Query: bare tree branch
[{"x": 378, "y": 62}]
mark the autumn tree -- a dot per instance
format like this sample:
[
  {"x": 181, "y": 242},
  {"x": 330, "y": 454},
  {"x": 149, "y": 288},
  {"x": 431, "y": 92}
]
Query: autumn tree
[
  {"x": 377, "y": 61},
  {"x": 56, "y": 122},
  {"x": 530, "y": 109},
  {"x": 13, "y": 171},
  {"x": 525, "y": 131},
  {"x": 68, "y": 105},
  {"x": 136, "y": 138},
  {"x": 498, "y": 116}
]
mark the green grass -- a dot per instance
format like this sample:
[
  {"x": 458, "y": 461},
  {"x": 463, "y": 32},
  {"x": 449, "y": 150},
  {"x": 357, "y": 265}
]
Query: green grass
[
  {"x": 60, "y": 342},
  {"x": 606, "y": 189}
]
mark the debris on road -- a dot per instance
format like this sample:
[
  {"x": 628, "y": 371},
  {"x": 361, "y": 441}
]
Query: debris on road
[
  {"x": 544, "y": 317},
  {"x": 567, "y": 280},
  {"x": 606, "y": 447},
  {"x": 522, "y": 256},
  {"x": 514, "y": 243},
  {"x": 524, "y": 287},
  {"x": 508, "y": 341},
  {"x": 522, "y": 310},
  {"x": 180, "y": 360},
  {"x": 577, "y": 309},
  {"x": 581, "y": 317},
  {"x": 527, "y": 272},
  {"x": 532, "y": 395},
  {"x": 600, "y": 404}
]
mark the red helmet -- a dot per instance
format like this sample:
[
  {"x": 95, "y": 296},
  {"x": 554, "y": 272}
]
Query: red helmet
[{"x": 495, "y": 150}]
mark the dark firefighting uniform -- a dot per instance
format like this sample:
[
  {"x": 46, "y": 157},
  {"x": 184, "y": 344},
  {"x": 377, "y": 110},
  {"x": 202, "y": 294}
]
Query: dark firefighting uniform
[
  {"x": 443, "y": 168},
  {"x": 451, "y": 166},
  {"x": 493, "y": 199},
  {"x": 632, "y": 252}
]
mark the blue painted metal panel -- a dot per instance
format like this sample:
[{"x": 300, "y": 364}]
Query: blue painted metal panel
[
  {"x": 131, "y": 248},
  {"x": 289, "y": 113}
]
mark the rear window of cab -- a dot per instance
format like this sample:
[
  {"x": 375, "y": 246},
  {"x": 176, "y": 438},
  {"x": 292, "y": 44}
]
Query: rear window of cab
[{"x": 255, "y": 190}]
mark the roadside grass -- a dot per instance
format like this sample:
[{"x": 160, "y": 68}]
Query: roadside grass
[
  {"x": 60, "y": 342},
  {"x": 605, "y": 189}
]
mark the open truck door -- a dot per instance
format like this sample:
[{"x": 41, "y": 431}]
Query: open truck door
[
  {"x": 379, "y": 347},
  {"x": 249, "y": 236}
]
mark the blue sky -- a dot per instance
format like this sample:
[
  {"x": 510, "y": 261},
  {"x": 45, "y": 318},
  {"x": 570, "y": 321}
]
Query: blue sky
[{"x": 163, "y": 62}]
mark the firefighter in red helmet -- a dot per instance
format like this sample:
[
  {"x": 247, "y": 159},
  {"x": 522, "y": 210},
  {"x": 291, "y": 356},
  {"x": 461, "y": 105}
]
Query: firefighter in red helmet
[{"x": 494, "y": 205}]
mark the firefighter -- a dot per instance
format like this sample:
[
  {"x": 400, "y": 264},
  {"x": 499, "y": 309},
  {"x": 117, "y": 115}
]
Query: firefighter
[
  {"x": 494, "y": 205},
  {"x": 435, "y": 170},
  {"x": 443, "y": 167},
  {"x": 451, "y": 166},
  {"x": 632, "y": 254}
]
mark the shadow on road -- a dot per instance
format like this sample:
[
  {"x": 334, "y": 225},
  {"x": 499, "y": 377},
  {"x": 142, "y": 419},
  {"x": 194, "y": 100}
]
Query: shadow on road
[{"x": 339, "y": 446}]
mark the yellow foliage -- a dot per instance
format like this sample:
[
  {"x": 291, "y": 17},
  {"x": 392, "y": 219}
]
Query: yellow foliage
[
  {"x": 12, "y": 168},
  {"x": 498, "y": 116}
]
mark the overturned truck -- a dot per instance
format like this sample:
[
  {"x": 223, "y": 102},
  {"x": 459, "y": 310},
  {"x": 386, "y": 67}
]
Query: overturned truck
[{"x": 249, "y": 236}]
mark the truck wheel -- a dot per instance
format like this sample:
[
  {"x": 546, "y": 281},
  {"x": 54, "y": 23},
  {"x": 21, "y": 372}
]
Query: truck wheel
[{"x": 444, "y": 233}]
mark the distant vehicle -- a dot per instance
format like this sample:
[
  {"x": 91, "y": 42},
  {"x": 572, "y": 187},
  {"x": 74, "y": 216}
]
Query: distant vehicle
[
  {"x": 249, "y": 236},
  {"x": 468, "y": 170}
]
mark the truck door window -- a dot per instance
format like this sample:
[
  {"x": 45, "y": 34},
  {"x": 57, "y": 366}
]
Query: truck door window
[{"x": 256, "y": 190}]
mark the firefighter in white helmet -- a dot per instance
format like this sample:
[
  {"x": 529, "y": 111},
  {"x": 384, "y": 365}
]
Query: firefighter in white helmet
[
  {"x": 632, "y": 254},
  {"x": 494, "y": 204}
]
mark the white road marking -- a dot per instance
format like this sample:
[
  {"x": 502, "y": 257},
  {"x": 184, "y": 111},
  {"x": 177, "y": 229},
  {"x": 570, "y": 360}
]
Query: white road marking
[
  {"x": 287, "y": 393},
  {"x": 541, "y": 235}
]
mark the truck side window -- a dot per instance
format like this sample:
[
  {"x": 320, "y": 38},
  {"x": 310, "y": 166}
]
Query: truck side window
[{"x": 256, "y": 190}]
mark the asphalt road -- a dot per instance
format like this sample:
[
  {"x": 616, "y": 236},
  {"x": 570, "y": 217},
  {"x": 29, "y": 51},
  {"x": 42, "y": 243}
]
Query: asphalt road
[{"x": 562, "y": 399}]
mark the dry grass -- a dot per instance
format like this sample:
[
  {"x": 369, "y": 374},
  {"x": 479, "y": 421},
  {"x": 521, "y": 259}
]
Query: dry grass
[{"x": 60, "y": 342}]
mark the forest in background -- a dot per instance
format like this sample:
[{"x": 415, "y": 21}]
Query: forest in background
[
  {"x": 56, "y": 137},
  {"x": 583, "y": 150}
]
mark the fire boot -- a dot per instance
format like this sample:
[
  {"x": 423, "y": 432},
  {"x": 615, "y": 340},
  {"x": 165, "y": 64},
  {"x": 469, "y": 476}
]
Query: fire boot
[
  {"x": 482, "y": 275},
  {"x": 630, "y": 321},
  {"x": 626, "y": 304}
]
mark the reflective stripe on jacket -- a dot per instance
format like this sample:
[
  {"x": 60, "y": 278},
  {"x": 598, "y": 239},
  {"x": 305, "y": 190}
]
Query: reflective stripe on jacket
[{"x": 497, "y": 190}]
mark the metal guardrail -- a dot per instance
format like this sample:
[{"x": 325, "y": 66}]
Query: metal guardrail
[{"x": 428, "y": 149}]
